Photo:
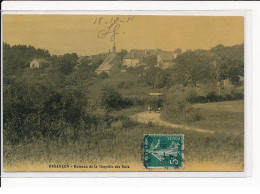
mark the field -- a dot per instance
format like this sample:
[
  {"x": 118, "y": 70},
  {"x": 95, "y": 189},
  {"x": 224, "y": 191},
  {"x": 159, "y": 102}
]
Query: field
[
  {"x": 223, "y": 117},
  {"x": 214, "y": 143},
  {"x": 131, "y": 90},
  {"x": 122, "y": 144}
]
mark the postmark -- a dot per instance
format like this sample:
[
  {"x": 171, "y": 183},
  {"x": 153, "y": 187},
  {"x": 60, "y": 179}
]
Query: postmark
[{"x": 163, "y": 151}]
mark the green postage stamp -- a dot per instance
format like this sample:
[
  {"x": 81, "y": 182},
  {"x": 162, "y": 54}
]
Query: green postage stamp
[{"x": 163, "y": 151}]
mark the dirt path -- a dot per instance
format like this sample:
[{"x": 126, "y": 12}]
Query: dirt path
[{"x": 145, "y": 117}]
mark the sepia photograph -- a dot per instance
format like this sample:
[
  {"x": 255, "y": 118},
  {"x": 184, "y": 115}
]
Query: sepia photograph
[{"x": 130, "y": 93}]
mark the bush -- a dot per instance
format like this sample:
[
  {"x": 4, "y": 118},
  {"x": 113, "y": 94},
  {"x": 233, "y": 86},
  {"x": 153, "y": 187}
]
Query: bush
[
  {"x": 128, "y": 85},
  {"x": 125, "y": 85},
  {"x": 103, "y": 75},
  {"x": 112, "y": 99},
  {"x": 127, "y": 123},
  {"x": 35, "y": 109},
  {"x": 213, "y": 97},
  {"x": 120, "y": 85},
  {"x": 190, "y": 94},
  {"x": 177, "y": 108}
]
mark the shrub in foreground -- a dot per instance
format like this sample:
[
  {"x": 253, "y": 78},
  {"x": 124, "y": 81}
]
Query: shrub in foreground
[
  {"x": 112, "y": 99},
  {"x": 177, "y": 108}
]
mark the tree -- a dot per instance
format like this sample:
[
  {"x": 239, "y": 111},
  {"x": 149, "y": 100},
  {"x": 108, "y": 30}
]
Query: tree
[
  {"x": 39, "y": 107},
  {"x": 18, "y": 57},
  {"x": 66, "y": 63},
  {"x": 151, "y": 60},
  {"x": 177, "y": 108},
  {"x": 122, "y": 53},
  {"x": 110, "y": 98},
  {"x": 229, "y": 69},
  {"x": 155, "y": 77},
  {"x": 192, "y": 67},
  {"x": 162, "y": 78},
  {"x": 229, "y": 63},
  {"x": 103, "y": 75},
  {"x": 149, "y": 76},
  {"x": 177, "y": 51}
]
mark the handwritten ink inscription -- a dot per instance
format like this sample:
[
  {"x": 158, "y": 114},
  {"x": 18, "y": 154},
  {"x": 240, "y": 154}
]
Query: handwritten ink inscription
[{"x": 111, "y": 26}]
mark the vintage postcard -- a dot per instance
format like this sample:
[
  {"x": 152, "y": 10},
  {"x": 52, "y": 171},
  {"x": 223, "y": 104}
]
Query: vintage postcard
[{"x": 132, "y": 93}]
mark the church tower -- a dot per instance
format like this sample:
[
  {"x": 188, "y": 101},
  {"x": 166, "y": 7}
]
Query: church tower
[{"x": 114, "y": 48}]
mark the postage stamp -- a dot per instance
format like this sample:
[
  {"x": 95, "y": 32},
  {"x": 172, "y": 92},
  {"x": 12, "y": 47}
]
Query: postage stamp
[{"x": 163, "y": 151}]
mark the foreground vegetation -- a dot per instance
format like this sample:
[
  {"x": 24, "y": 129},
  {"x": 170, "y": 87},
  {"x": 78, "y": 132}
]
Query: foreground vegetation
[
  {"x": 60, "y": 114},
  {"x": 222, "y": 117},
  {"x": 123, "y": 144}
]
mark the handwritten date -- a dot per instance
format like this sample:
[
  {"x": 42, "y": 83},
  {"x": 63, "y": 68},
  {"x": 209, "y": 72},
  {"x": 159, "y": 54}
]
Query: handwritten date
[{"x": 111, "y": 26}]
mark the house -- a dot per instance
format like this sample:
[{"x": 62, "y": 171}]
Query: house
[
  {"x": 110, "y": 65},
  {"x": 165, "y": 59},
  {"x": 81, "y": 60},
  {"x": 40, "y": 63},
  {"x": 84, "y": 61},
  {"x": 151, "y": 52},
  {"x": 134, "y": 58}
]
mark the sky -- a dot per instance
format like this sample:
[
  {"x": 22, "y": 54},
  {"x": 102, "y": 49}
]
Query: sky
[{"x": 93, "y": 34}]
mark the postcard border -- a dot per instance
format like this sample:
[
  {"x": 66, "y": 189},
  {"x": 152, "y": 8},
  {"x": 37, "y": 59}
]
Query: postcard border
[{"x": 248, "y": 145}]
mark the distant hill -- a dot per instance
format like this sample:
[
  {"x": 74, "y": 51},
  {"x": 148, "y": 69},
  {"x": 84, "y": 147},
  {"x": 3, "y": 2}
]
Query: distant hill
[{"x": 234, "y": 53}]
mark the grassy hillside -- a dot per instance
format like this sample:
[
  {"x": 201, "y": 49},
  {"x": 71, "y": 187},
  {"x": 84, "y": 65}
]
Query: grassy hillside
[
  {"x": 224, "y": 117},
  {"x": 130, "y": 89}
]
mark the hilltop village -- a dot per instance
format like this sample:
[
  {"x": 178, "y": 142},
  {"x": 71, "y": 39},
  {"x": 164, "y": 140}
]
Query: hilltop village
[{"x": 114, "y": 61}]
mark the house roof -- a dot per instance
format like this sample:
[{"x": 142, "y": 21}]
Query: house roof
[
  {"x": 43, "y": 61},
  {"x": 108, "y": 63},
  {"x": 166, "y": 55},
  {"x": 151, "y": 52},
  {"x": 135, "y": 54},
  {"x": 80, "y": 59},
  {"x": 155, "y": 94}
]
